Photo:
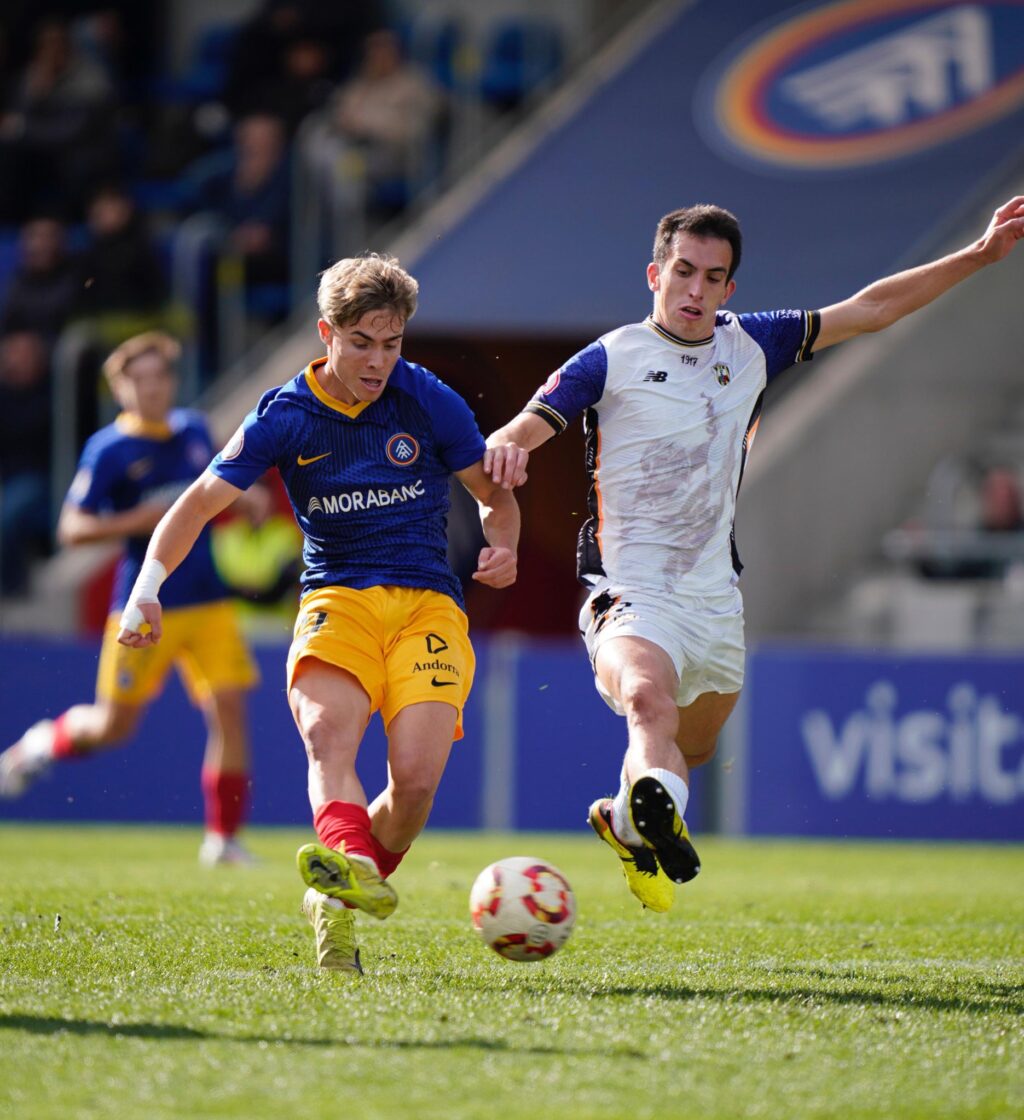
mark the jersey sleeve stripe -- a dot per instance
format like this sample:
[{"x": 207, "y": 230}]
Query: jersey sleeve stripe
[
  {"x": 546, "y": 412},
  {"x": 812, "y": 324}
]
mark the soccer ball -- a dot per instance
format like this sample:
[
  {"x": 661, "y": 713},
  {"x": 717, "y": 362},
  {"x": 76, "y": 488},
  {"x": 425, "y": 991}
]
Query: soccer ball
[{"x": 523, "y": 908}]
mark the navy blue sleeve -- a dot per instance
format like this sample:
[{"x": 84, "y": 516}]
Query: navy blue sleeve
[
  {"x": 575, "y": 386},
  {"x": 459, "y": 442},
  {"x": 785, "y": 337},
  {"x": 98, "y": 472},
  {"x": 252, "y": 450}
]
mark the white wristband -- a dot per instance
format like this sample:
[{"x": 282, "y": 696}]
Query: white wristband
[{"x": 147, "y": 584}]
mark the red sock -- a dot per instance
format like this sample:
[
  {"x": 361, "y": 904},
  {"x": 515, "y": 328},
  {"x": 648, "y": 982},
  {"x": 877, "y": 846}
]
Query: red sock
[
  {"x": 386, "y": 860},
  {"x": 339, "y": 823},
  {"x": 62, "y": 745},
  {"x": 226, "y": 800}
]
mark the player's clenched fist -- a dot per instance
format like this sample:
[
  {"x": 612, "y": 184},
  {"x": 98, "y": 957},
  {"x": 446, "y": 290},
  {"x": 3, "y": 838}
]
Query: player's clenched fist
[
  {"x": 496, "y": 567},
  {"x": 141, "y": 624}
]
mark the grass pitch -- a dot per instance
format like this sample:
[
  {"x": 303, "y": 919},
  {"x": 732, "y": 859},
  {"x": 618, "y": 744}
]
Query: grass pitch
[{"x": 794, "y": 980}]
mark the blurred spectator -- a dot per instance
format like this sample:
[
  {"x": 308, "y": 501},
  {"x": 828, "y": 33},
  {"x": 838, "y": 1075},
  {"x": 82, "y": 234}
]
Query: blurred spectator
[
  {"x": 24, "y": 456},
  {"x": 250, "y": 196},
  {"x": 258, "y": 60},
  {"x": 122, "y": 275},
  {"x": 58, "y": 131},
  {"x": 394, "y": 112},
  {"x": 44, "y": 286},
  {"x": 1000, "y": 511}
]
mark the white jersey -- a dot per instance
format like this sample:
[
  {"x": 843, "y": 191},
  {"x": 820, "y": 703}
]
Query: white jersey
[{"x": 668, "y": 427}]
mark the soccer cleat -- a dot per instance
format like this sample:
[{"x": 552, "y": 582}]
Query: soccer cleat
[
  {"x": 643, "y": 875},
  {"x": 224, "y": 851},
  {"x": 335, "y": 928},
  {"x": 350, "y": 878},
  {"x": 27, "y": 760},
  {"x": 663, "y": 830}
]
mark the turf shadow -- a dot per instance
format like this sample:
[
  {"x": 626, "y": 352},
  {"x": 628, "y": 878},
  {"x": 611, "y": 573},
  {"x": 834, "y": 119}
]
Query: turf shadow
[{"x": 48, "y": 1025}]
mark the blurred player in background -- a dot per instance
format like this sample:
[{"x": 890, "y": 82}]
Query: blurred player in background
[
  {"x": 129, "y": 474},
  {"x": 671, "y": 407},
  {"x": 365, "y": 443}
]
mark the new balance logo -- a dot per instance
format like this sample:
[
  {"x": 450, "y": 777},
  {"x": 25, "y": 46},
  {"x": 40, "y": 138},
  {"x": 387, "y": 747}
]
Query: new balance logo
[{"x": 658, "y": 375}]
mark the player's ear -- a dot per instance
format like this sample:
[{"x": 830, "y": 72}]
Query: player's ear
[
  {"x": 653, "y": 276},
  {"x": 729, "y": 289},
  {"x": 324, "y": 329}
]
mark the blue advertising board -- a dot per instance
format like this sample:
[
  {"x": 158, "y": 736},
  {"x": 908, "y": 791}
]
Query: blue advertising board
[
  {"x": 885, "y": 745},
  {"x": 552, "y": 747}
]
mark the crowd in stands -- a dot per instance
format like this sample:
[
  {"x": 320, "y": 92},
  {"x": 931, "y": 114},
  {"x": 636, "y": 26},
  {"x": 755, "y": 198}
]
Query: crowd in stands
[{"x": 108, "y": 150}]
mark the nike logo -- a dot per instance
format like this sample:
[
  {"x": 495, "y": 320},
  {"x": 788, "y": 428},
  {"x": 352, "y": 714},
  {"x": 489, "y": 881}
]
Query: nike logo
[
  {"x": 441, "y": 684},
  {"x": 303, "y": 462}
]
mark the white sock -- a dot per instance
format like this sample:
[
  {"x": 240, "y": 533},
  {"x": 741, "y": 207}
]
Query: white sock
[
  {"x": 675, "y": 785},
  {"x": 37, "y": 742},
  {"x": 622, "y": 822}
]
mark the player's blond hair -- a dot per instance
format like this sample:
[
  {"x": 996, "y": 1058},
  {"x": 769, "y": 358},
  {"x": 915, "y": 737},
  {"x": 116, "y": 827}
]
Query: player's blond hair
[
  {"x": 149, "y": 342},
  {"x": 371, "y": 282}
]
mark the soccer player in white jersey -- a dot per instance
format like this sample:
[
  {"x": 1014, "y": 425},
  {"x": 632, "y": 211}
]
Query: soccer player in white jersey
[
  {"x": 366, "y": 444},
  {"x": 670, "y": 408}
]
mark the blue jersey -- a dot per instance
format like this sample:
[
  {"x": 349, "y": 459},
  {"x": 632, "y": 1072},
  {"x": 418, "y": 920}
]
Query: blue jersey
[
  {"x": 131, "y": 462},
  {"x": 368, "y": 482}
]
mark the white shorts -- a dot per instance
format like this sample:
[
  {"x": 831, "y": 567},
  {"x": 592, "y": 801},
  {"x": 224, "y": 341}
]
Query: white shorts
[{"x": 704, "y": 639}]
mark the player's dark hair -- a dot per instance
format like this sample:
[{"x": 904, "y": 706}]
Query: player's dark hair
[
  {"x": 702, "y": 220},
  {"x": 371, "y": 282}
]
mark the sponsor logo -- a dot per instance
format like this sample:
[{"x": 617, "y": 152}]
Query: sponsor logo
[
  {"x": 436, "y": 666},
  {"x": 658, "y": 375},
  {"x": 551, "y": 384},
  {"x": 441, "y": 684},
  {"x": 861, "y": 81},
  {"x": 722, "y": 373},
  {"x": 435, "y": 643},
  {"x": 402, "y": 449},
  {"x": 356, "y": 501},
  {"x": 304, "y": 462},
  {"x": 233, "y": 448},
  {"x": 967, "y": 751},
  {"x": 139, "y": 469}
]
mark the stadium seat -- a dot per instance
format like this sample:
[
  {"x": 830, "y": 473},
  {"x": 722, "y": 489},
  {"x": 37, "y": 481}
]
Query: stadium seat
[{"x": 519, "y": 57}]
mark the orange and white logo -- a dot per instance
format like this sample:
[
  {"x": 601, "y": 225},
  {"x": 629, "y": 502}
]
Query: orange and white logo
[{"x": 403, "y": 449}]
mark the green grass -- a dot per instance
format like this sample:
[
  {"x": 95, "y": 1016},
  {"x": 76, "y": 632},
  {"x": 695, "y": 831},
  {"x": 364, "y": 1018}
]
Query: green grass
[{"x": 792, "y": 980}]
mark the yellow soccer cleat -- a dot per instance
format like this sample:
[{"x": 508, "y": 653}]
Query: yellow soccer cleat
[
  {"x": 349, "y": 878},
  {"x": 643, "y": 875},
  {"x": 663, "y": 830},
  {"x": 335, "y": 928}
]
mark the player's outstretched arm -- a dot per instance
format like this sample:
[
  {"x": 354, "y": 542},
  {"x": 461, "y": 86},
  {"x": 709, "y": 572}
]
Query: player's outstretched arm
[
  {"x": 171, "y": 542},
  {"x": 508, "y": 448},
  {"x": 499, "y": 516},
  {"x": 887, "y": 301}
]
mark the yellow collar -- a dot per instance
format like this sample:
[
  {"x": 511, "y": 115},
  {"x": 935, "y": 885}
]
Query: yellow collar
[{"x": 321, "y": 394}]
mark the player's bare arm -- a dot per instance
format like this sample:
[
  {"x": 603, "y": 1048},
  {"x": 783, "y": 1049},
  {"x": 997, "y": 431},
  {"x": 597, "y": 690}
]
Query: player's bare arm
[
  {"x": 888, "y": 300},
  {"x": 78, "y": 526},
  {"x": 172, "y": 541},
  {"x": 499, "y": 517},
  {"x": 523, "y": 433}
]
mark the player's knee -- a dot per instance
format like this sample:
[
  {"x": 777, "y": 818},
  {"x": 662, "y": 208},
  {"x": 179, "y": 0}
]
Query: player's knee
[
  {"x": 646, "y": 703},
  {"x": 413, "y": 793},
  {"x": 116, "y": 725}
]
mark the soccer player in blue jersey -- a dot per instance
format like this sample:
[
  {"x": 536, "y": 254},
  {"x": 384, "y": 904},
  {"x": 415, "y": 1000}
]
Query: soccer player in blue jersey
[
  {"x": 365, "y": 443},
  {"x": 129, "y": 474},
  {"x": 671, "y": 406}
]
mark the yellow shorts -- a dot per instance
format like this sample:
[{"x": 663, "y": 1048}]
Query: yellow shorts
[
  {"x": 403, "y": 644},
  {"x": 204, "y": 644}
]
